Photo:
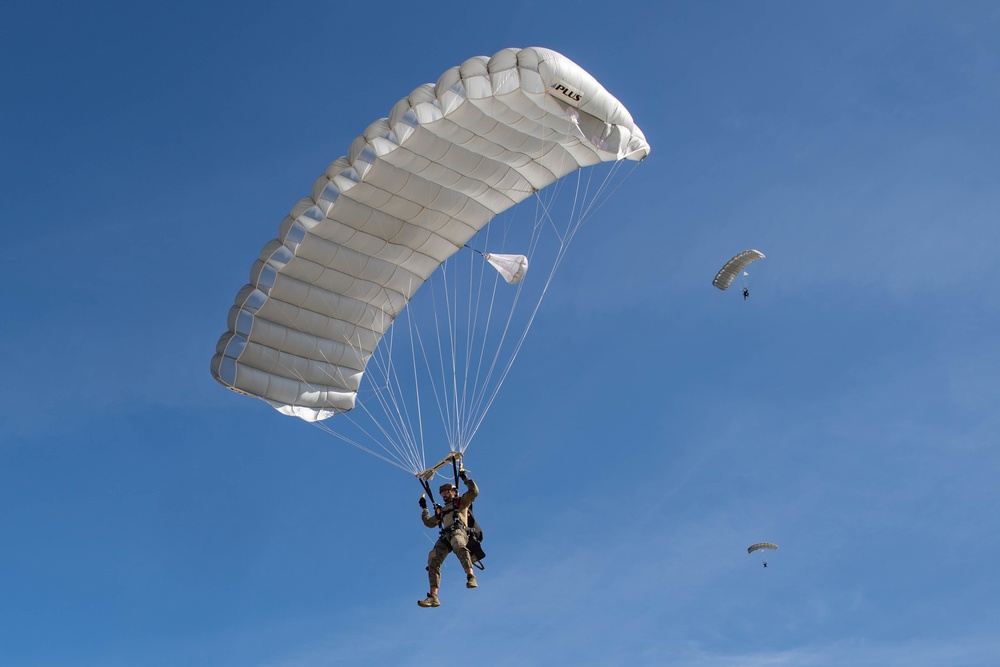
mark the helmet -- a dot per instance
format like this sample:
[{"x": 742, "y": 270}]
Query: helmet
[{"x": 447, "y": 487}]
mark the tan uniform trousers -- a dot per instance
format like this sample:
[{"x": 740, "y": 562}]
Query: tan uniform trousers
[{"x": 459, "y": 544}]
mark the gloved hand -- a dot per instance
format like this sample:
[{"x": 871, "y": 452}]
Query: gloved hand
[
  {"x": 463, "y": 473},
  {"x": 423, "y": 502}
]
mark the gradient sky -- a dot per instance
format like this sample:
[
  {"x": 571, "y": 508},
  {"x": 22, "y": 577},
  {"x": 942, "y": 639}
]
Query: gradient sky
[{"x": 652, "y": 428}]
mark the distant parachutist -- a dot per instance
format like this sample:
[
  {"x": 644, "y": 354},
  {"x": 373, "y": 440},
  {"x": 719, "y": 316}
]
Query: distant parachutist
[
  {"x": 762, "y": 545},
  {"x": 736, "y": 267}
]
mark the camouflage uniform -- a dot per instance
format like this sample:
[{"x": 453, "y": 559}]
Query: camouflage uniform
[{"x": 453, "y": 535}]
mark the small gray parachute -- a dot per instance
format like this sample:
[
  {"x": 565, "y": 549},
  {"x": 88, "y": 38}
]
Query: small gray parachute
[
  {"x": 732, "y": 268},
  {"x": 761, "y": 545}
]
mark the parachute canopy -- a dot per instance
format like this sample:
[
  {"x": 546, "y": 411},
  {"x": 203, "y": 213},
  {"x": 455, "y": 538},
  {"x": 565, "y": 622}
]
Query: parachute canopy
[
  {"x": 724, "y": 278},
  {"x": 411, "y": 191},
  {"x": 761, "y": 545}
]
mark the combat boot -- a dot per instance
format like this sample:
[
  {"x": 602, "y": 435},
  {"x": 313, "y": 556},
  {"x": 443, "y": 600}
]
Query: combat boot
[
  {"x": 429, "y": 601},
  {"x": 470, "y": 581}
]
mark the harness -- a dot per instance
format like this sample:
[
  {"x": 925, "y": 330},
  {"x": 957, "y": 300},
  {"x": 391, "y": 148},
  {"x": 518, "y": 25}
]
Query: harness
[
  {"x": 472, "y": 531},
  {"x": 440, "y": 511},
  {"x": 456, "y": 523}
]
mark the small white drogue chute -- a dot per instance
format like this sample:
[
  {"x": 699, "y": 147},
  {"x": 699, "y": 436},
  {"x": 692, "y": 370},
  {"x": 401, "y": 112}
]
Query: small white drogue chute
[{"x": 511, "y": 267}]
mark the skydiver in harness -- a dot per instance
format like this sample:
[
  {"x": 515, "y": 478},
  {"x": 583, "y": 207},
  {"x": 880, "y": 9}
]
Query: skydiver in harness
[
  {"x": 746, "y": 293},
  {"x": 453, "y": 519}
]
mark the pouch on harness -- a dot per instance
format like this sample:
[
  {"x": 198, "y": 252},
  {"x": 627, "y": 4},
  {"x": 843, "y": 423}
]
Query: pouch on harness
[{"x": 475, "y": 543}]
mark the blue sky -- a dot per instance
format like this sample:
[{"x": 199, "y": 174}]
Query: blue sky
[{"x": 652, "y": 428}]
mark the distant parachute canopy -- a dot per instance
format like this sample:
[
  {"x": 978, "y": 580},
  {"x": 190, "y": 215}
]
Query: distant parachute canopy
[
  {"x": 732, "y": 268},
  {"x": 761, "y": 545}
]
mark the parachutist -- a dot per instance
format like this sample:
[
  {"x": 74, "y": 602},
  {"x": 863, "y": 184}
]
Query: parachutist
[
  {"x": 746, "y": 293},
  {"x": 454, "y": 522},
  {"x": 762, "y": 545}
]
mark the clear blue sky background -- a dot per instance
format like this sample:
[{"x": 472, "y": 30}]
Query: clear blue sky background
[{"x": 653, "y": 426}]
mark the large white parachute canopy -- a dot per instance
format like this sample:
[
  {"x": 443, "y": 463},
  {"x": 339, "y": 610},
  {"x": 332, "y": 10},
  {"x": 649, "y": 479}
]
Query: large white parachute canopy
[
  {"x": 724, "y": 278},
  {"x": 413, "y": 189}
]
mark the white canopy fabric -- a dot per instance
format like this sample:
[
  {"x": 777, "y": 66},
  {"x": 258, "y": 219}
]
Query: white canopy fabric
[{"x": 412, "y": 190}]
